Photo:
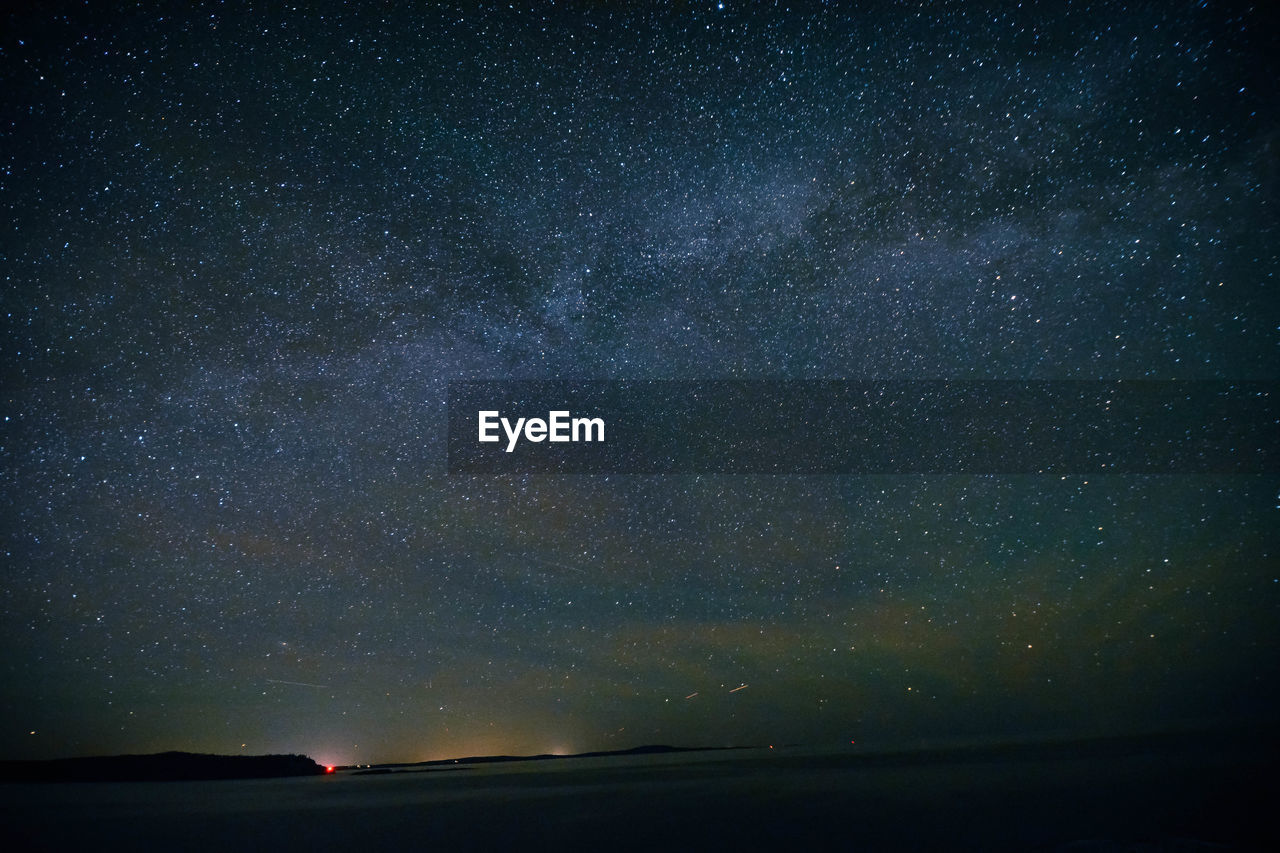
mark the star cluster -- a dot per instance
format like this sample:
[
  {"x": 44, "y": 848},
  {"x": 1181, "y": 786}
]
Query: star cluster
[{"x": 244, "y": 251}]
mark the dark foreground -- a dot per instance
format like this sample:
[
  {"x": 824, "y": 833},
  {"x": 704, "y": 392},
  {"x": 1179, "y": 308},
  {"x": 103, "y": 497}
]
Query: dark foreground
[{"x": 1185, "y": 794}]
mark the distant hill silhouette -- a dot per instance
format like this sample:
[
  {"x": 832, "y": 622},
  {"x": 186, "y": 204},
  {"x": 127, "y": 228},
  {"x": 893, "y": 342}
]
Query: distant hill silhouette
[
  {"x": 652, "y": 749},
  {"x": 162, "y": 767}
]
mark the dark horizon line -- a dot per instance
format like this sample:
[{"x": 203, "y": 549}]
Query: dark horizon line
[
  {"x": 645, "y": 749},
  {"x": 1217, "y": 731},
  {"x": 171, "y": 766},
  {"x": 1226, "y": 725}
]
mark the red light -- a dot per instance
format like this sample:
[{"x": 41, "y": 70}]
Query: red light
[{"x": 329, "y": 769}]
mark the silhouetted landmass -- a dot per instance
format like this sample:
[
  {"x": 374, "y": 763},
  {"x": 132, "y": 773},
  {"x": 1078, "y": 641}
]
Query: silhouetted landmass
[
  {"x": 652, "y": 749},
  {"x": 162, "y": 767},
  {"x": 1264, "y": 738},
  {"x": 384, "y": 771}
]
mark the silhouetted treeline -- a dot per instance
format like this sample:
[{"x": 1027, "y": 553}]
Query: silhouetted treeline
[{"x": 163, "y": 767}]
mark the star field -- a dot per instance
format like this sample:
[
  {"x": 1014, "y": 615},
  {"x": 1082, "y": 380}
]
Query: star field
[{"x": 244, "y": 250}]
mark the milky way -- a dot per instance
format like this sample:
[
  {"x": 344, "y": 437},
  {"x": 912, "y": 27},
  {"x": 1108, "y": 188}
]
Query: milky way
[{"x": 244, "y": 252}]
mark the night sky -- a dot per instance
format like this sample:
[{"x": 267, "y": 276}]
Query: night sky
[{"x": 245, "y": 250}]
